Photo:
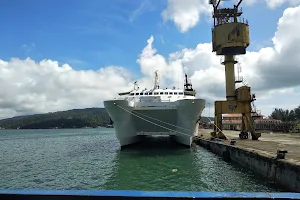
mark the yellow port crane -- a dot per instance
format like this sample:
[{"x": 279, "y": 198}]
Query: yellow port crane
[{"x": 230, "y": 37}]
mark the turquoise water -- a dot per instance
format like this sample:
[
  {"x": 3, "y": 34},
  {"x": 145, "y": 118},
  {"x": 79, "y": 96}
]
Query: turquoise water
[{"x": 91, "y": 159}]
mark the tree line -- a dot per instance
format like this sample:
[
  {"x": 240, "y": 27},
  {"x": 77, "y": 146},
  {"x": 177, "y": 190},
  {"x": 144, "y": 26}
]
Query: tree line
[
  {"x": 287, "y": 115},
  {"x": 76, "y": 118}
]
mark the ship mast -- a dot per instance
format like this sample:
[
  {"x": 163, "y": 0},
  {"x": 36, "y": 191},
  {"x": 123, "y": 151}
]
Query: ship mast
[
  {"x": 187, "y": 86},
  {"x": 156, "y": 81},
  {"x": 135, "y": 87}
]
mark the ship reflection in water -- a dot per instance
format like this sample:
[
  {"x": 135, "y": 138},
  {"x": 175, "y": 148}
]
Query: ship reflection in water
[
  {"x": 159, "y": 164},
  {"x": 148, "y": 165}
]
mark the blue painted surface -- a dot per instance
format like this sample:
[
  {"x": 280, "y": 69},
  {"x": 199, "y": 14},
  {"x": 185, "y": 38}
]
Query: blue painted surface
[{"x": 120, "y": 193}]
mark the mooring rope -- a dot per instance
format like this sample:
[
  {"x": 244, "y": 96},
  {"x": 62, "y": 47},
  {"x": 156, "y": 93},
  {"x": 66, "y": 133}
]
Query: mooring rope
[
  {"x": 164, "y": 122},
  {"x": 154, "y": 122},
  {"x": 227, "y": 138}
]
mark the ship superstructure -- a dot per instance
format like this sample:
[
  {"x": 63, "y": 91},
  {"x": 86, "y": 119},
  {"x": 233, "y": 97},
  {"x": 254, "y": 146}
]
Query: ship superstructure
[{"x": 173, "y": 112}]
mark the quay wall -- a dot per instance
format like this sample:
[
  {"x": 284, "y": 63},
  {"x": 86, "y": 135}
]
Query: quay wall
[{"x": 283, "y": 173}]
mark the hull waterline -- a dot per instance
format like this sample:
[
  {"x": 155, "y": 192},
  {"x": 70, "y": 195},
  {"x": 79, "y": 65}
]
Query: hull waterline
[{"x": 178, "y": 120}]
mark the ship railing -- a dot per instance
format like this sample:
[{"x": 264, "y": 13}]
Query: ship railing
[
  {"x": 169, "y": 100},
  {"x": 151, "y": 105},
  {"x": 119, "y": 98},
  {"x": 156, "y": 133},
  {"x": 156, "y": 100},
  {"x": 230, "y": 20}
]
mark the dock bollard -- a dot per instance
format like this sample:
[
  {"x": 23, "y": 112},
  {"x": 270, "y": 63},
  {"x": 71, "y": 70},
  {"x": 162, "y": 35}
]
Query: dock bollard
[
  {"x": 281, "y": 154},
  {"x": 232, "y": 142}
]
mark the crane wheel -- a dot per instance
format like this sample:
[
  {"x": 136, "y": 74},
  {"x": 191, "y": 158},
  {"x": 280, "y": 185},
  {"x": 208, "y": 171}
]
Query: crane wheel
[
  {"x": 244, "y": 135},
  {"x": 255, "y": 136}
]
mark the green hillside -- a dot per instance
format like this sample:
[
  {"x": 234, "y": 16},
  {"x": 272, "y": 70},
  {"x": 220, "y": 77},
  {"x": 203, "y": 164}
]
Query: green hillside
[{"x": 76, "y": 118}]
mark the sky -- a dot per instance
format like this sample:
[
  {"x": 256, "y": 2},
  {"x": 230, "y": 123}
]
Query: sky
[{"x": 60, "y": 55}]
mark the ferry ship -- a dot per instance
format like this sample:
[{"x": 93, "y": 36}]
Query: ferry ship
[{"x": 151, "y": 112}]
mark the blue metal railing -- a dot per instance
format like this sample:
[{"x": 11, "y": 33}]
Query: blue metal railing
[{"x": 119, "y": 194}]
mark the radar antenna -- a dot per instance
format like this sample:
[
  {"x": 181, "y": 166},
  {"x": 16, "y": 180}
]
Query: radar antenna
[
  {"x": 135, "y": 87},
  {"x": 187, "y": 85},
  {"x": 156, "y": 80}
]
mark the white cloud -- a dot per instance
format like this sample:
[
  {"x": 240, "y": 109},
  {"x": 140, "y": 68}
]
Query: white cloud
[
  {"x": 29, "y": 87},
  {"x": 143, "y": 7},
  {"x": 276, "y": 3},
  {"x": 273, "y": 73},
  {"x": 186, "y": 14},
  {"x": 272, "y": 3},
  {"x": 250, "y": 2},
  {"x": 28, "y": 48}
]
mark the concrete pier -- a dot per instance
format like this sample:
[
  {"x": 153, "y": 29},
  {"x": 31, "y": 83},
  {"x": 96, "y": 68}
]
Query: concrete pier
[{"x": 261, "y": 156}]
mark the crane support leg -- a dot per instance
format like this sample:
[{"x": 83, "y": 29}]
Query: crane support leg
[{"x": 234, "y": 106}]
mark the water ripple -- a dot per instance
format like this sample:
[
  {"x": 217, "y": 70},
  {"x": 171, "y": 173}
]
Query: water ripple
[{"x": 91, "y": 159}]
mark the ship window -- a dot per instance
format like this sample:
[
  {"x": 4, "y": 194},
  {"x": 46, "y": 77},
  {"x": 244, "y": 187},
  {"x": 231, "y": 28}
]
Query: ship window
[
  {"x": 131, "y": 94},
  {"x": 150, "y": 93},
  {"x": 175, "y": 93},
  {"x": 141, "y": 93},
  {"x": 180, "y": 93},
  {"x": 171, "y": 93},
  {"x": 161, "y": 93},
  {"x": 155, "y": 93},
  {"x": 136, "y": 93},
  {"x": 146, "y": 93},
  {"x": 166, "y": 93}
]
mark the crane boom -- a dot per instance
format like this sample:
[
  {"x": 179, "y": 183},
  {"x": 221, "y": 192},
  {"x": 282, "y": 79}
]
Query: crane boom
[
  {"x": 218, "y": 3},
  {"x": 237, "y": 5}
]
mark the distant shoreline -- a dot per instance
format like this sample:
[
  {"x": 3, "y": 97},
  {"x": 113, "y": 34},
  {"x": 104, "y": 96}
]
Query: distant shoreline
[
  {"x": 54, "y": 128},
  {"x": 70, "y": 119},
  {"x": 76, "y": 118}
]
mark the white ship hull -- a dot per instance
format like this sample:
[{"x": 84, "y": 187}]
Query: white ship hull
[{"x": 177, "y": 119}]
